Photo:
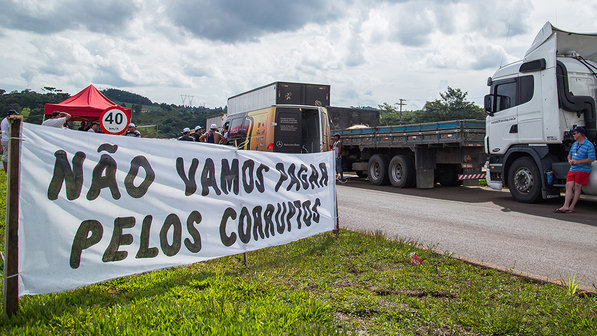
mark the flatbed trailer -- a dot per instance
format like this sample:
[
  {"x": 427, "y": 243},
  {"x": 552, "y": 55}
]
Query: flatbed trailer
[{"x": 416, "y": 154}]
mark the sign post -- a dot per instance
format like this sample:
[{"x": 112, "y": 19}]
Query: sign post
[
  {"x": 114, "y": 120},
  {"x": 11, "y": 238}
]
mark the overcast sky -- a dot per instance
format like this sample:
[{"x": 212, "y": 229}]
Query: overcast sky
[{"x": 369, "y": 52}]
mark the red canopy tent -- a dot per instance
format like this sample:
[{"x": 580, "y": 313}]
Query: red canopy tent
[{"x": 85, "y": 105}]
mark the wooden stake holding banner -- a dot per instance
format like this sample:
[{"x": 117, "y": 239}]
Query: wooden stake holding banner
[
  {"x": 245, "y": 255},
  {"x": 336, "y": 231},
  {"x": 11, "y": 229}
]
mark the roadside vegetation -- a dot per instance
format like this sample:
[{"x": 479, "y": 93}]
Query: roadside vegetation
[
  {"x": 351, "y": 283},
  {"x": 452, "y": 105}
]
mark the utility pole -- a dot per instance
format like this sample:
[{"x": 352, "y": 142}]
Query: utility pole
[{"x": 400, "y": 104}]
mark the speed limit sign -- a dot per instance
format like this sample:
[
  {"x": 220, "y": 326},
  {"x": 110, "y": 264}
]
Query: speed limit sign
[{"x": 114, "y": 120}]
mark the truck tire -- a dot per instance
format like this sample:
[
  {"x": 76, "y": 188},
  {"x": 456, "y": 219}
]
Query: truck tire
[
  {"x": 401, "y": 171},
  {"x": 448, "y": 176},
  {"x": 378, "y": 169},
  {"x": 524, "y": 180}
]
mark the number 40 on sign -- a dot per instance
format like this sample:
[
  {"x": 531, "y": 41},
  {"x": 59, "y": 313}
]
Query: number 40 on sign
[{"x": 114, "y": 120}]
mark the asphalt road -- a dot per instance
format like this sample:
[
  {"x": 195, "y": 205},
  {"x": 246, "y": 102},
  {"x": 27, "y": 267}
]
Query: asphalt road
[{"x": 482, "y": 226}]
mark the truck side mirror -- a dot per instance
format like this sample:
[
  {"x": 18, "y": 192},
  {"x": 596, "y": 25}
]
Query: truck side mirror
[{"x": 488, "y": 104}]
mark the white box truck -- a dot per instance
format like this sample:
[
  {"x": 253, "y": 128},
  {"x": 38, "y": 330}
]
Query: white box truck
[{"x": 532, "y": 106}]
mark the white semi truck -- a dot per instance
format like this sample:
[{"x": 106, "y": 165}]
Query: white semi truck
[{"x": 532, "y": 106}]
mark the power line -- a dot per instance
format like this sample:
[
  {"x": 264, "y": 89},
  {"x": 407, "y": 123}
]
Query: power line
[{"x": 184, "y": 97}]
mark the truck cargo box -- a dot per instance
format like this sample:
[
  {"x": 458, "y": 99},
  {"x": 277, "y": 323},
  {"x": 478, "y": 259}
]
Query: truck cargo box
[{"x": 278, "y": 93}]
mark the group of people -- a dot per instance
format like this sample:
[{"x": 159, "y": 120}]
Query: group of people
[{"x": 211, "y": 136}]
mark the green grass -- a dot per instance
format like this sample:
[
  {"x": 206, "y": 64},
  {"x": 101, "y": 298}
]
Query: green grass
[{"x": 353, "y": 283}]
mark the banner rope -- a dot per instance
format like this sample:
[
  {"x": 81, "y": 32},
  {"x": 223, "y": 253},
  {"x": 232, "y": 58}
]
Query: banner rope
[{"x": 4, "y": 261}]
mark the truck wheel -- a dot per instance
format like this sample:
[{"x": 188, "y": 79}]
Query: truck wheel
[
  {"x": 524, "y": 180},
  {"x": 448, "y": 176},
  {"x": 401, "y": 171},
  {"x": 378, "y": 169}
]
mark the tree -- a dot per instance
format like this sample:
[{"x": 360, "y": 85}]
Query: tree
[
  {"x": 125, "y": 96},
  {"x": 452, "y": 105},
  {"x": 389, "y": 115},
  {"x": 35, "y": 116}
]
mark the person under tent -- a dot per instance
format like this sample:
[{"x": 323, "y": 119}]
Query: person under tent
[{"x": 57, "y": 120}]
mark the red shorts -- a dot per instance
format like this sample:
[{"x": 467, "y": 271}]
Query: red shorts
[{"x": 581, "y": 178}]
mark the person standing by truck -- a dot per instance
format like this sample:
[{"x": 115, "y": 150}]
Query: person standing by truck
[
  {"x": 582, "y": 154},
  {"x": 213, "y": 136},
  {"x": 337, "y": 147}
]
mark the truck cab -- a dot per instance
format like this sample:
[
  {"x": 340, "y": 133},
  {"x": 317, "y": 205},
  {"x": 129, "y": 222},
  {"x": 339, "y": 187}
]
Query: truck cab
[{"x": 531, "y": 107}]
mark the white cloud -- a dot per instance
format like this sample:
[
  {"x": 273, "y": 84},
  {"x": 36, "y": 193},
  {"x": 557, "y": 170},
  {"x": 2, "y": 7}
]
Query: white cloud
[{"x": 48, "y": 17}]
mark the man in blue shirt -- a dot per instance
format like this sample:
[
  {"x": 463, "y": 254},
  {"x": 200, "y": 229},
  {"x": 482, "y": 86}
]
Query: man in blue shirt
[{"x": 581, "y": 155}]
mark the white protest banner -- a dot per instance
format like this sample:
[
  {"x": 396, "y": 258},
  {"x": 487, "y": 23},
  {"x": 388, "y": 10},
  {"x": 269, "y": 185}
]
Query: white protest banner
[{"x": 95, "y": 207}]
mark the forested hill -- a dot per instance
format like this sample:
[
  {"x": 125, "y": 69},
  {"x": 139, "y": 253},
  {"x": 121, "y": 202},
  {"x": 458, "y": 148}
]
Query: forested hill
[
  {"x": 125, "y": 96},
  {"x": 168, "y": 119}
]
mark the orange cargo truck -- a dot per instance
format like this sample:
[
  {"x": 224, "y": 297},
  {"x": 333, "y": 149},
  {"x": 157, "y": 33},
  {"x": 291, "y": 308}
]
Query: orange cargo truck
[{"x": 281, "y": 117}]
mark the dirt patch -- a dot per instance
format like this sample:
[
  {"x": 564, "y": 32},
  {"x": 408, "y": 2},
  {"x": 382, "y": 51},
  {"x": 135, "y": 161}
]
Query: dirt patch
[
  {"x": 393, "y": 305},
  {"x": 414, "y": 293},
  {"x": 442, "y": 331},
  {"x": 343, "y": 283}
]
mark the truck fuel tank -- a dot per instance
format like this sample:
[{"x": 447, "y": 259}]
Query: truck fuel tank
[{"x": 591, "y": 188}]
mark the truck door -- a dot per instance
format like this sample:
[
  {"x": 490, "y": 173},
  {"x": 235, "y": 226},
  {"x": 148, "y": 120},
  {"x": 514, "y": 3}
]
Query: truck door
[
  {"x": 288, "y": 130},
  {"x": 311, "y": 130},
  {"x": 502, "y": 126},
  {"x": 529, "y": 109},
  {"x": 517, "y": 117},
  {"x": 324, "y": 132}
]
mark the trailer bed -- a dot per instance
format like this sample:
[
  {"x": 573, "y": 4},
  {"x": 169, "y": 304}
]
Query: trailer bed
[{"x": 467, "y": 133}]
